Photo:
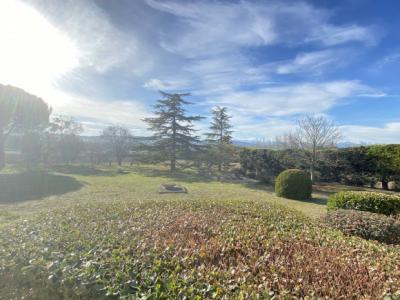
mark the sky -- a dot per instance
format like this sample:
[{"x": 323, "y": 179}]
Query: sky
[{"x": 269, "y": 62}]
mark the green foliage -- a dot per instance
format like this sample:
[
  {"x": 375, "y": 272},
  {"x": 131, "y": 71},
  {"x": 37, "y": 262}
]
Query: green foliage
[
  {"x": 293, "y": 184},
  {"x": 266, "y": 164},
  {"x": 117, "y": 238},
  {"x": 364, "y": 224},
  {"x": 356, "y": 166},
  {"x": 381, "y": 203},
  {"x": 386, "y": 162},
  {"x": 65, "y": 134},
  {"x": 219, "y": 139},
  {"x": 19, "y": 111},
  {"x": 173, "y": 129}
]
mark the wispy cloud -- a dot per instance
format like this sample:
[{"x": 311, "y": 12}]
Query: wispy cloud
[
  {"x": 299, "y": 98},
  {"x": 158, "y": 84},
  {"x": 393, "y": 58},
  {"x": 219, "y": 27},
  {"x": 389, "y": 133},
  {"x": 221, "y": 51},
  {"x": 314, "y": 62}
]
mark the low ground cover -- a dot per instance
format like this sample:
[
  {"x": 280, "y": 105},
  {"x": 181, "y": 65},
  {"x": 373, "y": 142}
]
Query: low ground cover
[{"x": 117, "y": 237}]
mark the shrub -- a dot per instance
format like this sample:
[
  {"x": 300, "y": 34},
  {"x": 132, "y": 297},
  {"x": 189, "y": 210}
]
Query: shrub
[
  {"x": 364, "y": 224},
  {"x": 293, "y": 184},
  {"x": 381, "y": 203}
]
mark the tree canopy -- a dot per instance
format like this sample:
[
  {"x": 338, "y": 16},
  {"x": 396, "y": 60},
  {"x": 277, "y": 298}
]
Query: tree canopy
[
  {"x": 19, "y": 110},
  {"x": 174, "y": 136}
]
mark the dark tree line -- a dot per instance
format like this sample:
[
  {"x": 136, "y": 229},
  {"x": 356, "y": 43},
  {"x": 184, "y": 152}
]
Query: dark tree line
[{"x": 352, "y": 166}]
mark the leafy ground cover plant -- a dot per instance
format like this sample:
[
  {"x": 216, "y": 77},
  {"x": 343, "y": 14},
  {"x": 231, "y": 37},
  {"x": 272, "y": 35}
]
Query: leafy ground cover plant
[
  {"x": 118, "y": 238},
  {"x": 367, "y": 225},
  {"x": 381, "y": 203}
]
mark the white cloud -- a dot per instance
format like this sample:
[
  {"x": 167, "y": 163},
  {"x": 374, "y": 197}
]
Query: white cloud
[
  {"x": 158, "y": 84},
  {"x": 96, "y": 114},
  {"x": 293, "y": 99},
  {"x": 313, "y": 62},
  {"x": 102, "y": 46},
  {"x": 389, "y": 133},
  {"x": 246, "y": 128},
  {"x": 218, "y": 27},
  {"x": 331, "y": 35},
  {"x": 389, "y": 59}
]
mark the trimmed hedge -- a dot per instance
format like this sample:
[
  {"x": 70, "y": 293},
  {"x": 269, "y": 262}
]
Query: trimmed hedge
[
  {"x": 364, "y": 224},
  {"x": 380, "y": 203},
  {"x": 293, "y": 184}
]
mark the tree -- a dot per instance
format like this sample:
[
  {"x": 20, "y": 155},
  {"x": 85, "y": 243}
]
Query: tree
[
  {"x": 19, "y": 111},
  {"x": 66, "y": 131},
  {"x": 173, "y": 129},
  {"x": 220, "y": 135},
  {"x": 386, "y": 162},
  {"x": 119, "y": 140},
  {"x": 315, "y": 133}
]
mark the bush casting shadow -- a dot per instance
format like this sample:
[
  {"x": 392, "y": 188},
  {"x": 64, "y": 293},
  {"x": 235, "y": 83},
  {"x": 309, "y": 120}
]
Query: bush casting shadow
[
  {"x": 21, "y": 187},
  {"x": 82, "y": 170},
  {"x": 319, "y": 198}
]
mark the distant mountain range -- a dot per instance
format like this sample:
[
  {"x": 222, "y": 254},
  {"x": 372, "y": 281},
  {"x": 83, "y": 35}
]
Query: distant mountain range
[
  {"x": 239, "y": 143},
  {"x": 256, "y": 143}
]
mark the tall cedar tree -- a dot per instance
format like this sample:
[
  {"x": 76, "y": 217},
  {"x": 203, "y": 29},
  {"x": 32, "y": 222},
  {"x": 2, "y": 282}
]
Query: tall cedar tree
[
  {"x": 220, "y": 134},
  {"x": 174, "y": 132}
]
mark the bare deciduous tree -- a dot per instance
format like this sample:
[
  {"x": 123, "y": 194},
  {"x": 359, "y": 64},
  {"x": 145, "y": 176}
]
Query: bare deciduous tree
[
  {"x": 119, "y": 140},
  {"x": 312, "y": 133}
]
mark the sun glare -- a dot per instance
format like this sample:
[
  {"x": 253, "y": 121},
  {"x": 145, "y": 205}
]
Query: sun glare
[{"x": 33, "y": 53}]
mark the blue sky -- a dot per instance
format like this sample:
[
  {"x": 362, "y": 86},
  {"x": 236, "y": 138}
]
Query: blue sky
[{"x": 269, "y": 62}]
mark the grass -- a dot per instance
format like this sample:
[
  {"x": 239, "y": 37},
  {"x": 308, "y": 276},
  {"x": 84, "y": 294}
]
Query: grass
[{"x": 114, "y": 236}]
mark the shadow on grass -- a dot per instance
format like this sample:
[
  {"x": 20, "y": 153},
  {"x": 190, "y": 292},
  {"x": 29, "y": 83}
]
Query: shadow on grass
[
  {"x": 83, "y": 170},
  {"x": 178, "y": 175},
  {"x": 319, "y": 197},
  {"x": 20, "y": 187}
]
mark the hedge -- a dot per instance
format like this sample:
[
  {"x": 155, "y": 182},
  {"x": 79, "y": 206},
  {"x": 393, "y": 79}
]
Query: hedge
[
  {"x": 387, "y": 204},
  {"x": 293, "y": 184},
  {"x": 364, "y": 224}
]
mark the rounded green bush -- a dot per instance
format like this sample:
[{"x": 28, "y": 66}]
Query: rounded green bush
[
  {"x": 293, "y": 184},
  {"x": 370, "y": 226},
  {"x": 387, "y": 204}
]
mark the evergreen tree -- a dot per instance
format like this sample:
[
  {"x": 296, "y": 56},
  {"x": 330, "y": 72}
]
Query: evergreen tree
[
  {"x": 173, "y": 129},
  {"x": 220, "y": 135},
  {"x": 19, "y": 111}
]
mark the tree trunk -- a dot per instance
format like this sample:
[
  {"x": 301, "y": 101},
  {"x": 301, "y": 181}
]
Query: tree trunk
[
  {"x": 173, "y": 152},
  {"x": 385, "y": 185},
  {"x": 312, "y": 173},
  {"x": 173, "y": 163},
  {"x": 2, "y": 150},
  {"x": 313, "y": 159}
]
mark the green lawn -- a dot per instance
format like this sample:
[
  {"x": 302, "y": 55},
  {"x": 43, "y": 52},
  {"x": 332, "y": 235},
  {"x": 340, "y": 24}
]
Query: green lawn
[{"x": 104, "y": 234}]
